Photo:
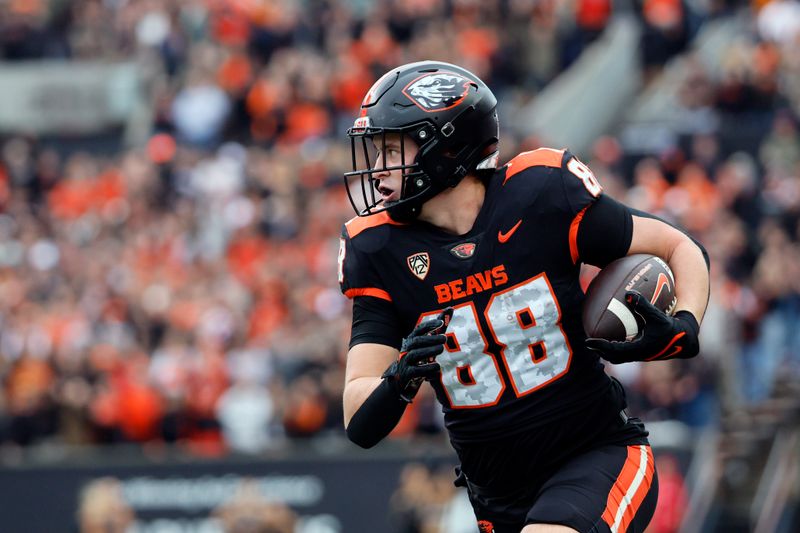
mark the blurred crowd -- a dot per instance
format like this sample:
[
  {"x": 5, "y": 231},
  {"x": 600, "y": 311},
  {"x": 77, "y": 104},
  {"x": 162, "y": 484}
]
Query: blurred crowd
[
  {"x": 732, "y": 179},
  {"x": 182, "y": 290}
]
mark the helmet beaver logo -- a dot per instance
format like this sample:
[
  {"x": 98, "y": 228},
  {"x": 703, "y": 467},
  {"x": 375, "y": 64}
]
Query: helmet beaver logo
[{"x": 437, "y": 91}]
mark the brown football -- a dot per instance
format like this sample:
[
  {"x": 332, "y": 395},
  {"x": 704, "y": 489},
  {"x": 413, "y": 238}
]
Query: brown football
[{"x": 605, "y": 313}]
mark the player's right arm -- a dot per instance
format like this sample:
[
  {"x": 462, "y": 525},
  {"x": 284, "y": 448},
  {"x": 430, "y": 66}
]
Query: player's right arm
[
  {"x": 380, "y": 379},
  {"x": 365, "y": 365},
  {"x": 371, "y": 407}
]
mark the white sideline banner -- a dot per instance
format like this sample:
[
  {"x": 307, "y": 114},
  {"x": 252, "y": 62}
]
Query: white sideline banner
[{"x": 65, "y": 97}]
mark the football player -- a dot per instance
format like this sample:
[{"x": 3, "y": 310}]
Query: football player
[{"x": 464, "y": 274}]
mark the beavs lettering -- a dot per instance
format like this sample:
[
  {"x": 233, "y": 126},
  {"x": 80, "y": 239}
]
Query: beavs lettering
[{"x": 474, "y": 283}]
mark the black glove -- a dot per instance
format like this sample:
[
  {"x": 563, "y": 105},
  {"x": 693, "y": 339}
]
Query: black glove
[
  {"x": 417, "y": 356},
  {"x": 660, "y": 336}
]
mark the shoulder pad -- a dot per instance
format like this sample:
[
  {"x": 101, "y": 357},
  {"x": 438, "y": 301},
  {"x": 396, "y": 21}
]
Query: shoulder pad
[
  {"x": 541, "y": 157},
  {"x": 357, "y": 224},
  {"x": 356, "y": 272}
]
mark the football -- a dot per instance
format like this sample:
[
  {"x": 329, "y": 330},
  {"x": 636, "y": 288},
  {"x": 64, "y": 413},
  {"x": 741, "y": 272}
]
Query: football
[{"x": 605, "y": 313}]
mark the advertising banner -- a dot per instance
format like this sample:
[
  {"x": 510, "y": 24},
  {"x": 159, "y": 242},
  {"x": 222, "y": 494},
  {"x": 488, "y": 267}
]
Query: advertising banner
[{"x": 327, "y": 496}]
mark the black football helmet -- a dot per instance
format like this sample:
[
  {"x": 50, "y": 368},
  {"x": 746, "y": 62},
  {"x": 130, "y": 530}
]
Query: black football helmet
[{"x": 446, "y": 110}]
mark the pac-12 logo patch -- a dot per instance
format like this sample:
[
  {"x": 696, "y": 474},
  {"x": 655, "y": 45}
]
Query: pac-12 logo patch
[
  {"x": 419, "y": 264},
  {"x": 437, "y": 91},
  {"x": 463, "y": 250}
]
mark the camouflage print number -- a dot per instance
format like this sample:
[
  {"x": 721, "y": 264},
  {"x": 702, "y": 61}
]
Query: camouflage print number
[
  {"x": 525, "y": 320},
  {"x": 470, "y": 375}
]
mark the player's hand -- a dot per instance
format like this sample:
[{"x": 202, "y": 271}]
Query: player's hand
[
  {"x": 417, "y": 361},
  {"x": 661, "y": 336}
]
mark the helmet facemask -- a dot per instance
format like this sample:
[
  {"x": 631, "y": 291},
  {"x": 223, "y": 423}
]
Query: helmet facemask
[{"x": 366, "y": 142}]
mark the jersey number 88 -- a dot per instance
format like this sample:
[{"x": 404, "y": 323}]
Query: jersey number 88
[{"x": 525, "y": 320}]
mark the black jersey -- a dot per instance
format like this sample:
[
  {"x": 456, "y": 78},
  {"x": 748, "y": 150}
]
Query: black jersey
[{"x": 515, "y": 359}]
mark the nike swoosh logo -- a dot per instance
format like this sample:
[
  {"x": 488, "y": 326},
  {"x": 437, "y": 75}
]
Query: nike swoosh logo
[
  {"x": 675, "y": 349},
  {"x": 660, "y": 284},
  {"x": 503, "y": 237}
]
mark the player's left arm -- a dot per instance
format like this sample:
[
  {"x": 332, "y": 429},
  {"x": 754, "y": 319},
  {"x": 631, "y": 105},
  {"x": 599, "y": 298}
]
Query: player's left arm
[
  {"x": 603, "y": 230},
  {"x": 685, "y": 257},
  {"x": 611, "y": 230}
]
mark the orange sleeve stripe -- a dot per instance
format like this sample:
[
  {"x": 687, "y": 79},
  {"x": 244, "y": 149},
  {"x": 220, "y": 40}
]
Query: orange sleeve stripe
[
  {"x": 573, "y": 234},
  {"x": 358, "y": 224},
  {"x": 541, "y": 157},
  {"x": 368, "y": 291},
  {"x": 630, "y": 488}
]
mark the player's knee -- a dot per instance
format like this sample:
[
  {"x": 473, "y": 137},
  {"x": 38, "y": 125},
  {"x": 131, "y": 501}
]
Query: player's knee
[{"x": 547, "y": 528}]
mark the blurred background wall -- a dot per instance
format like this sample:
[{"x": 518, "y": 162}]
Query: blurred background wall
[{"x": 172, "y": 337}]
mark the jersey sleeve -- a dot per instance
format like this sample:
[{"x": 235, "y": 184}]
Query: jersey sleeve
[
  {"x": 580, "y": 190},
  {"x": 357, "y": 274},
  {"x": 375, "y": 318},
  {"x": 605, "y": 232},
  {"x": 580, "y": 187},
  {"x": 375, "y": 321}
]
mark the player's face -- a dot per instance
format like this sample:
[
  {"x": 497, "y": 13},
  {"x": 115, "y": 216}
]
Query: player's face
[{"x": 388, "y": 182}]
